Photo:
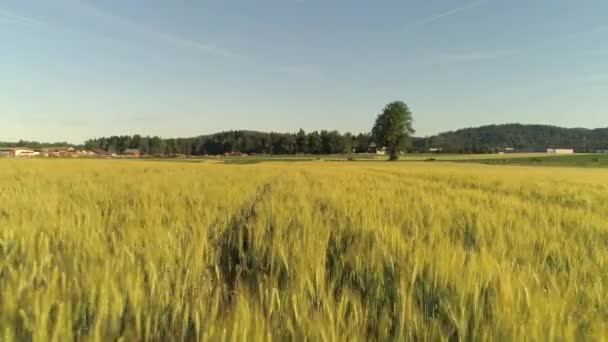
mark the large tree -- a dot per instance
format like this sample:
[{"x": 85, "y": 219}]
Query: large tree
[{"x": 393, "y": 128}]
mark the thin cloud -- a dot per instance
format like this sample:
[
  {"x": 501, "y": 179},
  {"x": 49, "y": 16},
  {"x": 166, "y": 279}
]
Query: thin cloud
[
  {"x": 154, "y": 33},
  {"x": 473, "y": 56},
  {"x": 148, "y": 118},
  {"x": 462, "y": 57},
  {"x": 18, "y": 19},
  {"x": 596, "y": 79},
  {"x": 453, "y": 11},
  {"x": 195, "y": 45},
  {"x": 597, "y": 53},
  {"x": 300, "y": 71},
  {"x": 600, "y": 28}
]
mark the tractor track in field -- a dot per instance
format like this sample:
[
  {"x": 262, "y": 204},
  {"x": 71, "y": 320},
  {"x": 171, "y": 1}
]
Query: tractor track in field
[{"x": 233, "y": 244}]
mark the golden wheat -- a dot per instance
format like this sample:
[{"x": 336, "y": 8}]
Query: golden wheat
[{"x": 131, "y": 250}]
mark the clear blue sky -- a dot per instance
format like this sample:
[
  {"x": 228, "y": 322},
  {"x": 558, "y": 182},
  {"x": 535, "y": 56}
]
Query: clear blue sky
[{"x": 73, "y": 69}]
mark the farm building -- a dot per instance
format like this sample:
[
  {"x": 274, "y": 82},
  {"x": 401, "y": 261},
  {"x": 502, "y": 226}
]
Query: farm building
[
  {"x": 131, "y": 152},
  {"x": 18, "y": 152},
  {"x": 373, "y": 148},
  {"x": 56, "y": 151},
  {"x": 560, "y": 150},
  {"x": 65, "y": 152},
  {"x": 98, "y": 152}
]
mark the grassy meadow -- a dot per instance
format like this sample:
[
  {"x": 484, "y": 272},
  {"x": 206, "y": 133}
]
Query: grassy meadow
[
  {"x": 524, "y": 159},
  {"x": 101, "y": 250},
  {"x": 568, "y": 160}
]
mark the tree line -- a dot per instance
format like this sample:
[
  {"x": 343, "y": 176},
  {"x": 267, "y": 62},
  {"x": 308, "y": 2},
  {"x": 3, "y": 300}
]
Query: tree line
[
  {"x": 485, "y": 139},
  {"x": 392, "y": 130},
  {"x": 34, "y": 144},
  {"x": 523, "y": 138},
  {"x": 250, "y": 142}
]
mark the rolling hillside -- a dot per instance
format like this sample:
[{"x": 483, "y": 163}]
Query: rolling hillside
[{"x": 521, "y": 137}]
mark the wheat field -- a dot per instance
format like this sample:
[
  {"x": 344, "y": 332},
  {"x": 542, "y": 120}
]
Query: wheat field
[{"x": 100, "y": 250}]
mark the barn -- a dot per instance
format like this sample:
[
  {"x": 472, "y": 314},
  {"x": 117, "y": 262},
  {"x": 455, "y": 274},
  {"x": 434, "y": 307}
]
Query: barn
[
  {"x": 131, "y": 152},
  {"x": 18, "y": 152},
  {"x": 560, "y": 150}
]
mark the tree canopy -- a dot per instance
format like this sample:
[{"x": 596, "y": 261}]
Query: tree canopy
[{"x": 393, "y": 128}]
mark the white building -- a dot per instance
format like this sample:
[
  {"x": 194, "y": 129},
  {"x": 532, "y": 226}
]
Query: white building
[
  {"x": 18, "y": 152},
  {"x": 373, "y": 148},
  {"x": 560, "y": 150}
]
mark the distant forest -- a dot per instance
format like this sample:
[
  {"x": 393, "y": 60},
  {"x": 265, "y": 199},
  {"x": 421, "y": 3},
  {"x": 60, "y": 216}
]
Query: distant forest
[
  {"x": 525, "y": 138},
  {"x": 323, "y": 142},
  {"x": 34, "y": 144},
  {"x": 485, "y": 139}
]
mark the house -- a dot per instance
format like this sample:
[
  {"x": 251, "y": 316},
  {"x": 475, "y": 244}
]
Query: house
[
  {"x": 373, "y": 148},
  {"x": 28, "y": 153},
  {"x": 59, "y": 151},
  {"x": 503, "y": 150},
  {"x": 132, "y": 152},
  {"x": 18, "y": 152},
  {"x": 560, "y": 150},
  {"x": 6, "y": 152},
  {"x": 87, "y": 153},
  {"x": 98, "y": 152}
]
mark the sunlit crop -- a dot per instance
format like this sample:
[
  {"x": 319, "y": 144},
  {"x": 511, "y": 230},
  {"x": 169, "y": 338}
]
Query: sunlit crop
[{"x": 110, "y": 249}]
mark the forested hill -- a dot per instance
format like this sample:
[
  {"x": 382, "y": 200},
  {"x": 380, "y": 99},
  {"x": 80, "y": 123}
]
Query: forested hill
[
  {"x": 468, "y": 140},
  {"x": 520, "y": 137}
]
